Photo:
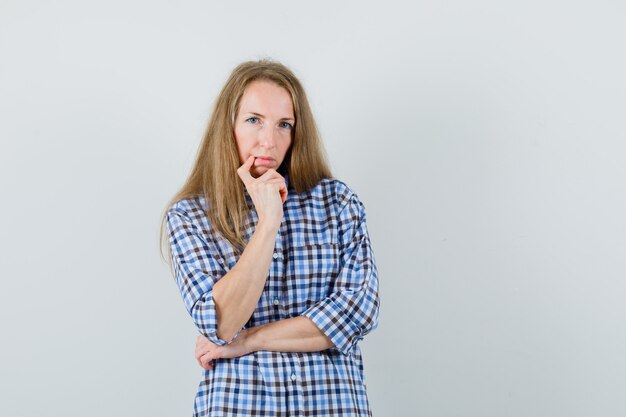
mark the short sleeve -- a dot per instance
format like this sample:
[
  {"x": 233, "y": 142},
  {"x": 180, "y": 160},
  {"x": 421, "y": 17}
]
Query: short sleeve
[
  {"x": 197, "y": 267},
  {"x": 351, "y": 311}
]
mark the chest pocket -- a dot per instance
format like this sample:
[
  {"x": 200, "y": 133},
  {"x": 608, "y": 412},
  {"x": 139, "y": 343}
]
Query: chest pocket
[{"x": 310, "y": 274}]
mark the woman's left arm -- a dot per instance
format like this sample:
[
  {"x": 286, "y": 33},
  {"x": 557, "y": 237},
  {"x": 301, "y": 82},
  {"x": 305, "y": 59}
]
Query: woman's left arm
[{"x": 296, "y": 334}]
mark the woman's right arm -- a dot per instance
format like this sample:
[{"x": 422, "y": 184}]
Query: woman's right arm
[
  {"x": 220, "y": 302},
  {"x": 237, "y": 293}
]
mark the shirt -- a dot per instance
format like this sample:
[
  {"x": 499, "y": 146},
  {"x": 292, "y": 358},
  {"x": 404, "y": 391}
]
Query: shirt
[{"x": 323, "y": 268}]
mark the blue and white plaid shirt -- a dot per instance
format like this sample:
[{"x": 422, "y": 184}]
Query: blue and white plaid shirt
[{"x": 323, "y": 268}]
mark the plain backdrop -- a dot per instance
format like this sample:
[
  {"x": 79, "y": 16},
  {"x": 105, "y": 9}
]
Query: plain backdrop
[{"x": 485, "y": 138}]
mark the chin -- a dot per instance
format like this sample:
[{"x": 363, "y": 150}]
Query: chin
[{"x": 258, "y": 171}]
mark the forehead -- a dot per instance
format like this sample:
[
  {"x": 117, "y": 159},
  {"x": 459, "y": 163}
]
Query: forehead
[{"x": 266, "y": 98}]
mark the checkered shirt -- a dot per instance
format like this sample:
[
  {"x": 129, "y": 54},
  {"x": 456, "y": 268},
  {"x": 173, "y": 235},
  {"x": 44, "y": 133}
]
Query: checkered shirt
[{"x": 323, "y": 268}]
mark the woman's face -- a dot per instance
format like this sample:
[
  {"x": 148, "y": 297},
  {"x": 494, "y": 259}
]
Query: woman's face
[{"x": 264, "y": 125}]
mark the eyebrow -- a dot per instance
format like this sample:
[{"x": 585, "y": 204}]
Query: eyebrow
[{"x": 260, "y": 115}]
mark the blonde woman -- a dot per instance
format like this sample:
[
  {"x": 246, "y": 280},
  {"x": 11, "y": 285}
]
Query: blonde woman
[{"x": 272, "y": 258}]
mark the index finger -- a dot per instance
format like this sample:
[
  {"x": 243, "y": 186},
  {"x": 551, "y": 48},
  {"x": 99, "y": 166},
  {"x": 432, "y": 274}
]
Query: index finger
[{"x": 244, "y": 170}]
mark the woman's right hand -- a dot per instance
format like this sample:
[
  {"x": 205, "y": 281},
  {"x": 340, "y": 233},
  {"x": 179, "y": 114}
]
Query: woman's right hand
[
  {"x": 206, "y": 352},
  {"x": 268, "y": 192}
]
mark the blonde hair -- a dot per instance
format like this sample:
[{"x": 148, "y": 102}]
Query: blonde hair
[{"x": 214, "y": 173}]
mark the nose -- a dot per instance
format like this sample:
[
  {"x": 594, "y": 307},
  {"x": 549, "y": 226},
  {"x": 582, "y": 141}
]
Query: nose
[{"x": 267, "y": 136}]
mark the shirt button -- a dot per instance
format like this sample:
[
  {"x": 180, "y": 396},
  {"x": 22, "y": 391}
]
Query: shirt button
[
  {"x": 293, "y": 377},
  {"x": 276, "y": 301},
  {"x": 275, "y": 255}
]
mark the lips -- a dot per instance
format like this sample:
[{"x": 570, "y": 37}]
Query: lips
[{"x": 264, "y": 161}]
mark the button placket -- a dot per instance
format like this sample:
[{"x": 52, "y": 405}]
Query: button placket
[
  {"x": 276, "y": 290},
  {"x": 276, "y": 300}
]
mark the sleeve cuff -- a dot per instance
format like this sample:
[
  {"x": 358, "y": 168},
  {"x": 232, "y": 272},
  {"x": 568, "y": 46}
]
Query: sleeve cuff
[
  {"x": 330, "y": 319},
  {"x": 204, "y": 315}
]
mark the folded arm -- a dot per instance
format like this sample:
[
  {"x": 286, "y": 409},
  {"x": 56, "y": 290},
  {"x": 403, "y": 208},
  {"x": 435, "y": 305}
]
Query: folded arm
[
  {"x": 296, "y": 334},
  {"x": 351, "y": 311}
]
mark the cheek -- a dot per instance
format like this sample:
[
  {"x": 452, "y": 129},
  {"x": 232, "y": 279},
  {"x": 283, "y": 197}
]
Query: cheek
[
  {"x": 240, "y": 141},
  {"x": 287, "y": 147}
]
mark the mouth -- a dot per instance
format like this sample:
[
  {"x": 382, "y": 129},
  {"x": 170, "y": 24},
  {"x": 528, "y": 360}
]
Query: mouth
[{"x": 264, "y": 161}]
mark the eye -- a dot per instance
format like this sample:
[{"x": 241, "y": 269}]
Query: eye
[
  {"x": 286, "y": 125},
  {"x": 254, "y": 120}
]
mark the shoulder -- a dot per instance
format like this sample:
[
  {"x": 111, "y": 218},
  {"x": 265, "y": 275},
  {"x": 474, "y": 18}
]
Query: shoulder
[
  {"x": 191, "y": 208},
  {"x": 334, "y": 192}
]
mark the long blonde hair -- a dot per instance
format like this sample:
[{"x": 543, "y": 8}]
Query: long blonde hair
[{"x": 214, "y": 173}]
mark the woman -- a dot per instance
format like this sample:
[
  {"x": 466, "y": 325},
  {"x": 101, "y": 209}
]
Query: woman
[{"x": 272, "y": 258}]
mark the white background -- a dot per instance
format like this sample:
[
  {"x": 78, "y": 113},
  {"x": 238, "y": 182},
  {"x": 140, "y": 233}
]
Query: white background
[{"x": 485, "y": 138}]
